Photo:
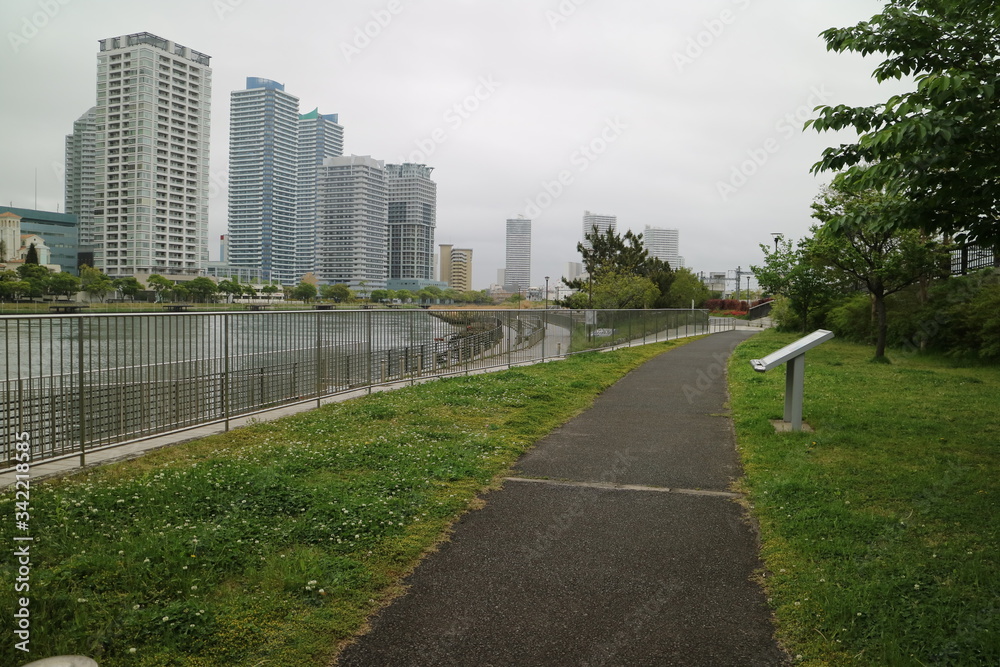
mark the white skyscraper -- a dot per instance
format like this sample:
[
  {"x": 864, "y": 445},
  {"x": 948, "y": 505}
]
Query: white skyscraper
[
  {"x": 263, "y": 179},
  {"x": 593, "y": 220},
  {"x": 412, "y": 218},
  {"x": 274, "y": 155},
  {"x": 151, "y": 157},
  {"x": 663, "y": 244},
  {"x": 320, "y": 136},
  {"x": 80, "y": 188},
  {"x": 518, "y": 271},
  {"x": 353, "y": 222}
]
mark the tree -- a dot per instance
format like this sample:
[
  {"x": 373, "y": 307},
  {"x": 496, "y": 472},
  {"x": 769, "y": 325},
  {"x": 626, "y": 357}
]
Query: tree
[
  {"x": 304, "y": 291},
  {"x": 270, "y": 290},
  {"x": 611, "y": 258},
  {"x": 230, "y": 288},
  {"x": 934, "y": 149},
  {"x": 685, "y": 288},
  {"x": 339, "y": 293},
  {"x": 37, "y": 278},
  {"x": 32, "y": 256},
  {"x": 616, "y": 291},
  {"x": 162, "y": 287},
  {"x": 865, "y": 249},
  {"x": 129, "y": 286},
  {"x": 795, "y": 275},
  {"x": 201, "y": 288},
  {"x": 380, "y": 295},
  {"x": 63, "y": 284},
  {"x": 95, "y": 283}
]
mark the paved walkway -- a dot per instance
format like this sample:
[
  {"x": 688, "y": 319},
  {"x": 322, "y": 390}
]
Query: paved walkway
[{"x": 616, "y": 542}]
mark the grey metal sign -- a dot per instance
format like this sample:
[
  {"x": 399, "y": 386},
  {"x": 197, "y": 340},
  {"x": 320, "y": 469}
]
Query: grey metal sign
[{"x": 793, "y": 356}]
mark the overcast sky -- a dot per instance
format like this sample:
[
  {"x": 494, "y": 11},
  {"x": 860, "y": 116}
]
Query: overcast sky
[{"x": 684, "y": 115}]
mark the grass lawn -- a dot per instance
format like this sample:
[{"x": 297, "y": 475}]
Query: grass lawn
[
  {"x": 272, "y": 544},
  {"x": 880, "y": 529}
]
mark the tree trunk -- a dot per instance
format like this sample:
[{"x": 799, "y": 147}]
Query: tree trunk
[{"x": 882, "y": 325}]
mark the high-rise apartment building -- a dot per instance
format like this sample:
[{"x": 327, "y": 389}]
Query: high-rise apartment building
[
  {"x": 412, "y": 218},
  {"x": 151, "y": 157},
  {"x": 601, "y": 222},
  {"x": 456, "y": 267},
  {"x": 80, "y": 184},
  {"x": 274, "y": 154},
  {"x": 518, "y": 271},
  {"x": 320, "y": 136},
  {"x": 263, "y": 179},
  {"x": 353, "y": 222},
  {"x": 663, "y": 244}
]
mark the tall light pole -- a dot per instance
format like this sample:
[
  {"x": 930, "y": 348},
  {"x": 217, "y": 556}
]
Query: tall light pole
[
  {"x": 546, "y": 292},
  {"x": 777, "y": 237},
  {"x": 748, "y": 288}
]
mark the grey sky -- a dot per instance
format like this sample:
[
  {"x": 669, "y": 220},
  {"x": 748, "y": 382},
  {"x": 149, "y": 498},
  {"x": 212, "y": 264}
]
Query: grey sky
[{"x": 635, "y": 108}]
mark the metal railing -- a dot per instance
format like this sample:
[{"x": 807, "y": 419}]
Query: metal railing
[{"x": 77, "y": 383}]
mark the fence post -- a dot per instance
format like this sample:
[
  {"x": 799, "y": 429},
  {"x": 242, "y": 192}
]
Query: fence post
[
  {"x": 82, "y": 399},
  {"x": 319, "y": 358},
  {"x": 226, "y": 407},
  {"x": 367, "y": 314}
]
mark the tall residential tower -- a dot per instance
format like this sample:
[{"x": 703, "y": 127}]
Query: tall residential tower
[
  {"x": 353, "y": 223},
  {"x": 263, "y": 178},
  {"x": 518, "y": 271},
  {"x": 412, "y": 218},
  {"x": 151, "y": 157}
]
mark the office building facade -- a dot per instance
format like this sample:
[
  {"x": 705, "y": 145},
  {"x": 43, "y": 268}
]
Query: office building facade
[
  {"x": 663, "y": 244},
  {"x": 412, "y": 219},
  {"x": 602, "y": 223},
  {"x": 518, "y": 269},
  {"x": 151, "y": 158},
  {"x": 352, "y": 231}
]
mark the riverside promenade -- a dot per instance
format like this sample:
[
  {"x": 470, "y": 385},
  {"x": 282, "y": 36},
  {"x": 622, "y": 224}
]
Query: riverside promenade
[{"x": 617, "y": 540}]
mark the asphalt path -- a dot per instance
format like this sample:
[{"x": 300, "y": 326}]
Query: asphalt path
[{"x": 617, "y": 540}]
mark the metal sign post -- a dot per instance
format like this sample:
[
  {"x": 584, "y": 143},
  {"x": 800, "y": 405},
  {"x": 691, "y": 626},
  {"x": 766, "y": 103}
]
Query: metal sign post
[{"x": 794, "y": 358}]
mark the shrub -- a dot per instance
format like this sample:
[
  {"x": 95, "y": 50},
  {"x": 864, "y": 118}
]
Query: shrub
[{"x": 852, "y": 319}]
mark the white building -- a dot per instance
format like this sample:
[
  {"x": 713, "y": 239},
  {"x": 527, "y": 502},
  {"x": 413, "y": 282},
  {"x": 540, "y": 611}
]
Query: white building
[
  {"x": 518, "y": 271},
  {"x": 412, "y": 219},
  {"x": 274, "y": 156},
  {"x": 80, "y": 185},
  {"x": 320, "y": 136},
  {"x": 151, "y": 157},
  {"x": 352, "y": 222},
  {"x": 263, "y": 179},
  {"x": 602, "y": 223},
  {"x": 664, "y": 244}
]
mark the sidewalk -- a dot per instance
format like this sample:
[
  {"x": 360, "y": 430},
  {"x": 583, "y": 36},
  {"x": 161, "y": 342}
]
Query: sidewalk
[{"x": 617, "y": 542}]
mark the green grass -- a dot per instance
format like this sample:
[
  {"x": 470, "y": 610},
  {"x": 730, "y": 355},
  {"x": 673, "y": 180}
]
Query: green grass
[
  {"x": 273, "y": 543},
  {"x": 879, "y": 530}
]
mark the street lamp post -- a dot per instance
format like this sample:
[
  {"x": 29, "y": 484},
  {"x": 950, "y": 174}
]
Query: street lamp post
[
  {"x": 777, "y": 237},
  {"x": 748, "y": 288},
  {"x": 546, "y": 292}
]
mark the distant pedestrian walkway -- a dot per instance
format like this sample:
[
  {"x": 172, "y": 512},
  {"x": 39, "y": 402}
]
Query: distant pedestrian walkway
[{"x": 617, "y": 541}]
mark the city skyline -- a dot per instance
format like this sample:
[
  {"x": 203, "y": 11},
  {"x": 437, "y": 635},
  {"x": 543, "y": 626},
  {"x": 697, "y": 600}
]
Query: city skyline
[{"x": 688, "y": 117}]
